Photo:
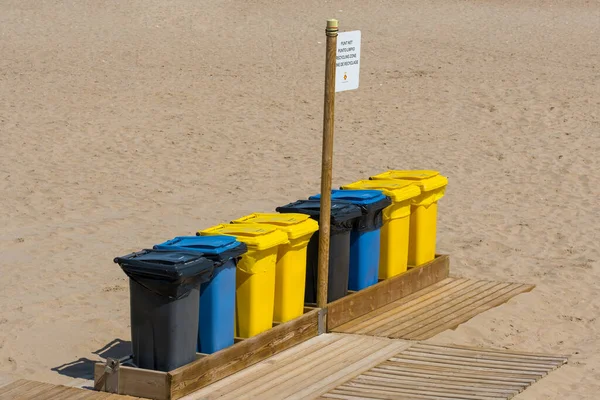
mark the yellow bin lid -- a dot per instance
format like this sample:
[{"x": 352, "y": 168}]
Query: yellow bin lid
[
  {"x": 396, "y": 190},
  {"x": 426, "y": 180},
  {"x": 294, "y": 225},
  {"x": 257, "y": 236}
]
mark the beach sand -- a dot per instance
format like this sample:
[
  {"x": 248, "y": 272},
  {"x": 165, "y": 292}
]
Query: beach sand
[{"x": 123, "y": 124}]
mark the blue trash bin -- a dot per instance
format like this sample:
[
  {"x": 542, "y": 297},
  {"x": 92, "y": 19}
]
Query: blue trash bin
[
  {"x": 365, "y": 236},
  {"x": 216, "y": 324}
]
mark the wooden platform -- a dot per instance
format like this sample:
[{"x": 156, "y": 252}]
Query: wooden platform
[
  {"x": 24, "y": 390},
  {"x": 426, "y": 371},
  {"x": 305, "y": 371},
  {"x": 434, "y": 309}
]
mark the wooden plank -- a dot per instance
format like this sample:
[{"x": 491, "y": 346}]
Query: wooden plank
[
  {"x": 453, "y": 320},
  {"x": 420, "y": 348},
  {"x": 203, "y": 372},
  {"x": 432, "y": 308},
  {"x": 21, "y": 388},
  {"x": 490, "y": 350},
  {"x": 442, "y": 380},
  {"x": 84, "y": 394},
  {"x": 311, "y": 361},
  {"x": 442, "y": 387},
  {"x": 467, "y": 366},
  {"x": 371, "y": 389},
  {"x": 140, "y": 382},
  {"x": 360, "y": 303},
  {"x": 12, "y": 386},
  {"x": 435, "y": 319},
  {"x": 328, "y": 364},
  {"x": 384, "y": 314},
  {"x": 306, "y": 369},
  {"x": 444, "y": 369},
  {"x": 473, "y": 360},
  {"x": 59, "y": 392},
  {"x": 451, "y": 374},
  {"x": 248, "y": 375},
  {"x": 348, "y": 372}
]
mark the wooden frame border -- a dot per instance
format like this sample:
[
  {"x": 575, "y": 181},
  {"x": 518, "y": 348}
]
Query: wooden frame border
[
  {"x": 360, "y": 303},
  {"x": 207, "y": 369}
]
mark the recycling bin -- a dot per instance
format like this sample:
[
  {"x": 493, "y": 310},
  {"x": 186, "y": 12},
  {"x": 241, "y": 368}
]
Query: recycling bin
[
  {"x": 255, "y": 274},
  {"x": 396, "y": 223},
  {"x": 164, "y": 288},
  {"x": 343, "y": 215},
  {"x": 365, "y": 238},
  {"x": 216, "y": 329},
  {"x": 423, "y": 217},
  {"x": 290, "y": 274}
]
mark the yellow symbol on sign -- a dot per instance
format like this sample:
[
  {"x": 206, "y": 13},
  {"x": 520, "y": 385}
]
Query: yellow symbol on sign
[{"x": 345, "y": 76}]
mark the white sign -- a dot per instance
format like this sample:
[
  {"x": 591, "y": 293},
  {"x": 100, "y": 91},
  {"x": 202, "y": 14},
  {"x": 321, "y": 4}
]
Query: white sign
[{"x": 347, "y": 61}]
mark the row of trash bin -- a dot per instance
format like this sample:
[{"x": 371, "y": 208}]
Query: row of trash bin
[{"x": 196, "y": 293}]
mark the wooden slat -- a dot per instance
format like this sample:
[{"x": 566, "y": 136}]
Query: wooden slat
[
  {"x": 442, "y": 388},
  {"x": 445, "y": 380},
  {"x": 371, "y": 389},
  {"x": 387, "y": 291},
  {"x": 494, "y": 376},
  {"x": 200, "y": 373},
  {"x": 389, "y": 309},
  {"x": 453, "y": 320},
  {"x": 323, "y": 365},
  {"x": 489, "y": 350},
  {"x": 484, "y": 355},
  {"x": 449, "y": 373},
  {"x": 287, "y": 372},
  {"x": 248, "y": 375},
  {"x": 426, "y": 313},
  {"x": 445, "y": 306},
  {"x": 424, "y": 310},
  {"x": 22, "y": 388},
  {"x": 511, "y": 362},
  {"x": 337, "y": 378}
]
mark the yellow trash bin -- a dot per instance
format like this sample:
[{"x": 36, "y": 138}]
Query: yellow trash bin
[
  {"x": 255, "y": 275},
  {"x": 290, "y": 275},
  {"x": 423, "y": 218},
  {"x": 396, "y": 223}
]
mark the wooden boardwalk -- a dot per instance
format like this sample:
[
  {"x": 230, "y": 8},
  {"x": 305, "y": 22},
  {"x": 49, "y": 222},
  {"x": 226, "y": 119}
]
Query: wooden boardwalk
[
  {"x": 305, "y": 371},
  {"x": 23, "y": 389},
  {"x": 430, "y": 311},
  {"x": 426, "y": 371}
]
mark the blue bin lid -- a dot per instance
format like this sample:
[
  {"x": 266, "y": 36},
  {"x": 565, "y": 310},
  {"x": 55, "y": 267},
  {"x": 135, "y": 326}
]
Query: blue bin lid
[
  {"x": 358, "y": 197},
  {"x": 218, "y": 247}
]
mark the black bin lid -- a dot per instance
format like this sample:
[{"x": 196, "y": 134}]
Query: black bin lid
[
  {"x": 169, "y": 273},
  {"x": 343, "y": 213}
]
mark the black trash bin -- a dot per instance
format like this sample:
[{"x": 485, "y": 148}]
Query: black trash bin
[
  {"x": 343, "y": 215},
  {"x": 164, "y": 290}
]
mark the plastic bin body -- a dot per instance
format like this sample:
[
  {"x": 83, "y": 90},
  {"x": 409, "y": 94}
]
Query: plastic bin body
[
  {"x": 343, "y": 215},
  {"x": 216, "y": 329},
  {"x": 396, "y": 223},
  {"x": 255, "y": 275},
  {"x": 290, "y": 274},
  {"x": 165, "y": 292},
  {"x": 365, "y": 238},
  {"x": 423, "y": 219},
  {"x": 162, "y": 337}
]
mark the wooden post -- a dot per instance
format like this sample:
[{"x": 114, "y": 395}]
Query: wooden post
[{"x": 326, "y": 163}]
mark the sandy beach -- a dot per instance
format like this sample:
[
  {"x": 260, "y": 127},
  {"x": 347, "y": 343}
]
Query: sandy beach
[{"x": 123, "y": 124}]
